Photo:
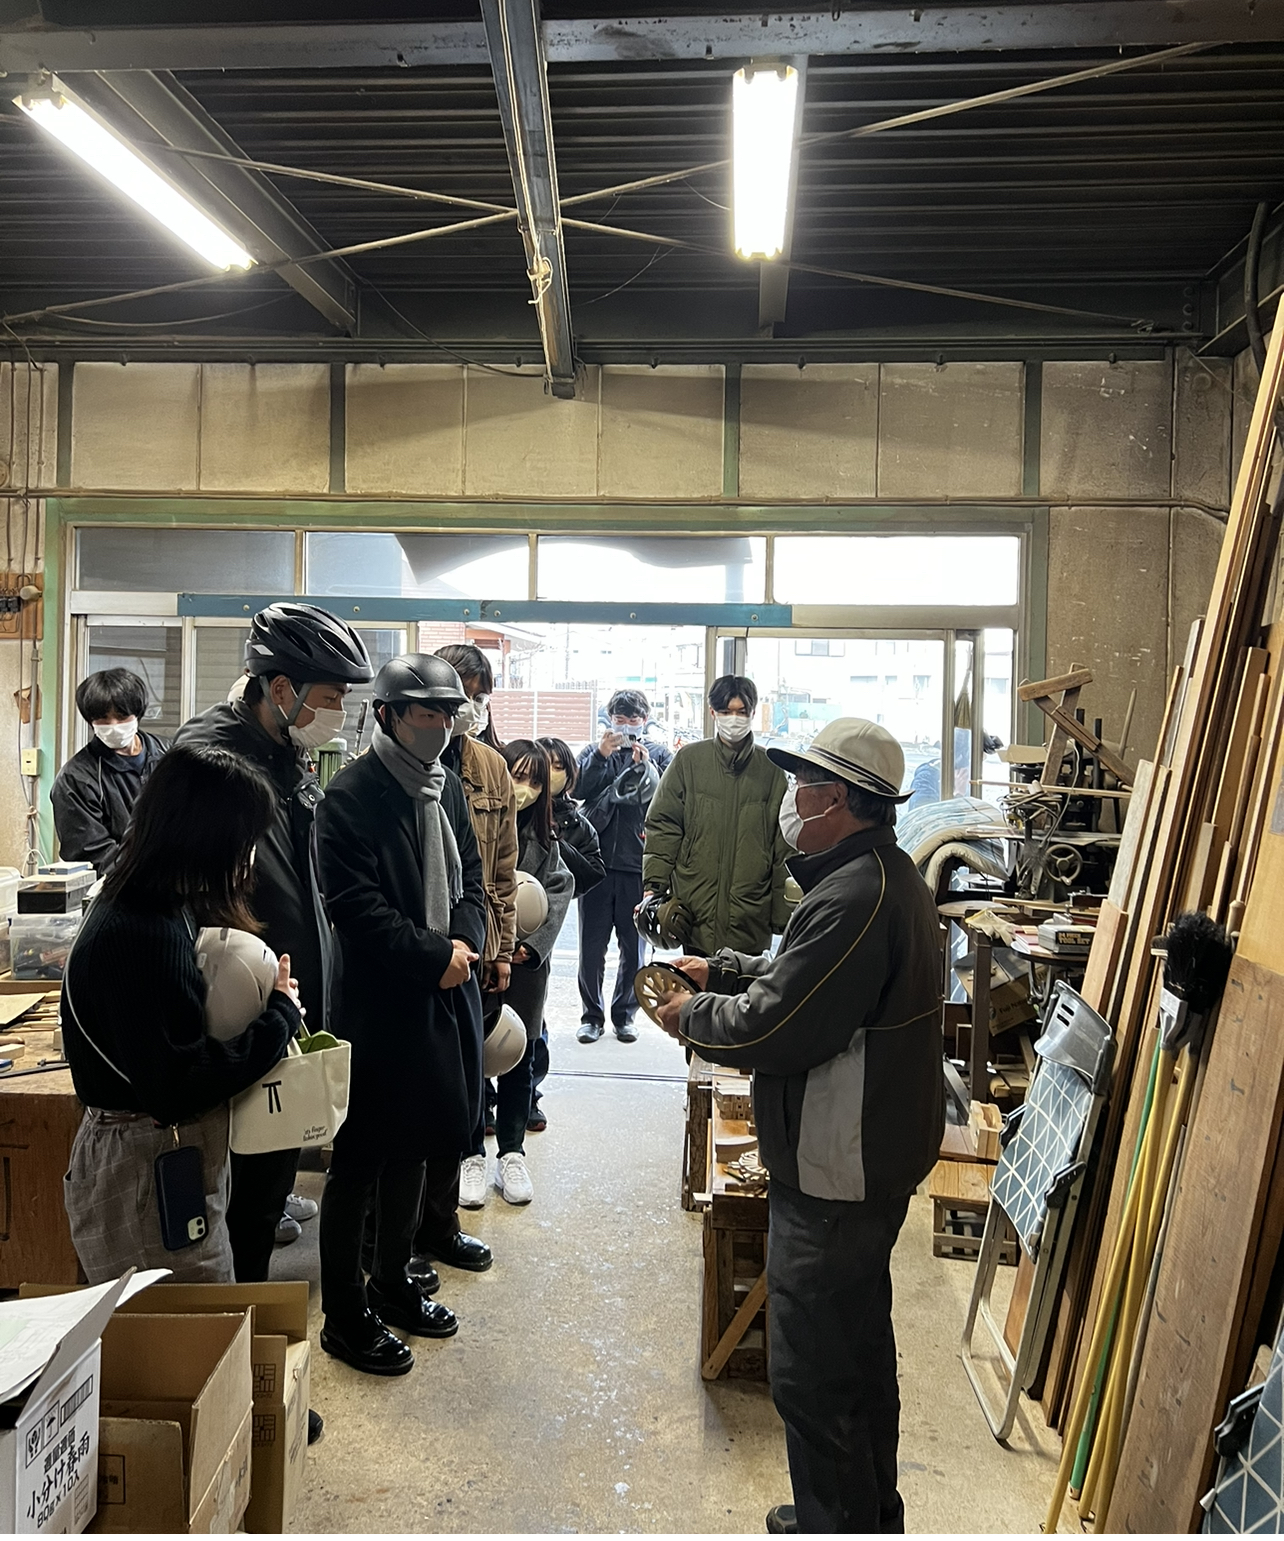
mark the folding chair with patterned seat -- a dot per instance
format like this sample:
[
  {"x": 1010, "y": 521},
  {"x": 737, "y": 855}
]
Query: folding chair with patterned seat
[
  {"x": 1248, "y": 1496},
  {"x": 1036, "y": 1187}
]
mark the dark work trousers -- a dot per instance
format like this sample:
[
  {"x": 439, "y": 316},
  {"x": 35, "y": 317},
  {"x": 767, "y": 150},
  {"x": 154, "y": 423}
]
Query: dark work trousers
[
  {"x": 833, "y": 1357},
  {"x": 358, "y": 1182},
  {"x": 609, "y": 907},
  {"x": 527, "y": 993},
  {"x": 439, "y": 1211},
  {"x": 513, "y": 1105},
  {"x": 539, "y": 1065},
  {"x": 260, "y": 1187}
]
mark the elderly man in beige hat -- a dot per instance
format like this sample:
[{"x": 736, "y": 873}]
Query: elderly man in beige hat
[{"x": 842, "y": 1031}]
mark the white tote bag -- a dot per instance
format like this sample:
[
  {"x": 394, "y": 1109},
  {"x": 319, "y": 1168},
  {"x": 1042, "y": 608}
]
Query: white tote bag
[{"x": 302, "y": 1100}]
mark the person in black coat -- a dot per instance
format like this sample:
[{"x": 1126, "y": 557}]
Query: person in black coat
[
  {"x": 403, "y": 883},
  {"x": 301, "y": 661},
  {"x": 94, "y": 795}
]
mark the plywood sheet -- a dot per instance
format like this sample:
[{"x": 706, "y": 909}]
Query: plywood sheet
[{"x": 1208, "y": 1260}]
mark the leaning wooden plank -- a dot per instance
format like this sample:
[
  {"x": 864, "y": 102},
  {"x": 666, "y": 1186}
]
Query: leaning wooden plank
[
  {"x": 1104, "y": 957},
  {"x": 1195, "y": 736},
  {"x": 1206, "y": 1270},
  {"x": 1248, "y": 717}
]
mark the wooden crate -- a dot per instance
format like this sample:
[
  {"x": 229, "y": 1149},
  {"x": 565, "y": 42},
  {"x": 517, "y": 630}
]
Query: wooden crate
[{"x": 735, "y": 1262}]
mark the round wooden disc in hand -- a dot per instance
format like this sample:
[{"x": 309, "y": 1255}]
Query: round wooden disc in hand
[{"x": 654, "y": 984}]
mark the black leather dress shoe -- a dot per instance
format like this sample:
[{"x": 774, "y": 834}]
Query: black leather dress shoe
[
  {"x": 406, "y": 1307},
  {"x": 424, "y": 1275},
  {"x": 461, "y": 1251},
  {"x": 367, "y": 1345},
  {"x": 626, "y": 1032},
  {"x": 316, "y": 1426},
  {"x": 782, "y": 1520}
]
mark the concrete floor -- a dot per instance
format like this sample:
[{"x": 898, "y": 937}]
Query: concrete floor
[{"x": 571, "y": 1399}]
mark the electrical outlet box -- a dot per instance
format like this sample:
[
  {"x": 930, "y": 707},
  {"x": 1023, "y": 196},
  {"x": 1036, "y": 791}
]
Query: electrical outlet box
[{"x": 31, "y": 762}]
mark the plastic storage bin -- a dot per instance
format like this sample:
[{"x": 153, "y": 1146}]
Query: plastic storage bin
[{"x": 40, "y": 944}]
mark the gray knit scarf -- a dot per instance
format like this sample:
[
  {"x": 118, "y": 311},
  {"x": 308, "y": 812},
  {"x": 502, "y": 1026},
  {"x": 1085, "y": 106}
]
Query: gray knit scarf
[{"x": 443, "y": 870}]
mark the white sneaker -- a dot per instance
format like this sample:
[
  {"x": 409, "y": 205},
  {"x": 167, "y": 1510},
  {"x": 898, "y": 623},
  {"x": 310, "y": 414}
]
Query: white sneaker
[
  {"x": 513, "y": 1180},
  {"x": 300, "y": 1209},
  {"x": 472, "y": 1182}
]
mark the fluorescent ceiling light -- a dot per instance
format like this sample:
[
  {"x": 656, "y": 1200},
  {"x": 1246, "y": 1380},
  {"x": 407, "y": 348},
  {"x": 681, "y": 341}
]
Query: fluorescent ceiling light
[
  {"x": 84, "y": 135},
  {"x": 764, "y": 102}
]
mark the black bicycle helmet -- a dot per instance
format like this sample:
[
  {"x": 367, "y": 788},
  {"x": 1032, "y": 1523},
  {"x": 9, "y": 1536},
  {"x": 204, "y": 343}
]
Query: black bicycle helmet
[
  {"x": 663, "y": 921},
  {"x": 421, "y": 678},
  {"x": 307, "y": 644}
]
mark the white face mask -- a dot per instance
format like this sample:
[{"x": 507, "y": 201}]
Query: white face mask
[
  {"x": 472, "y": 717},
  {"x": 327, "y": 723},
  {"x": 117, "y": 735},
  {"x": 631, "y": 731},
  {"x": 791, "y": 821},
  {"x": 731, "y": 728}
]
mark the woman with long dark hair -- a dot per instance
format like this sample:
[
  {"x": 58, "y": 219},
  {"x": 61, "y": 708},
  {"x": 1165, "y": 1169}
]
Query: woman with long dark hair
[
  {"x": 151, "y": 1078},
  {"x": 538, "y": 854},
  {"x": 577, "y": 841}
]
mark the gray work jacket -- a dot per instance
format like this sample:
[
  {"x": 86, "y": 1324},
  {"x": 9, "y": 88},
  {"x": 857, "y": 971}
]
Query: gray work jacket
[{"x": 842, "y": 1028}]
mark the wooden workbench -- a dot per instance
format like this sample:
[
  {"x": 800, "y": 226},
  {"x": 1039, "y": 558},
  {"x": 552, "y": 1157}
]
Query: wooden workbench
[
  {"x": 39, "y": 1116},
  {"x": 733, "y": 1336}
]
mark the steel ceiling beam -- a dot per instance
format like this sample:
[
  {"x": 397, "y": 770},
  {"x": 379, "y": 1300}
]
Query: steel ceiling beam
[
  {"x": 147, "y": 107},
  {"x": 30, "y": 44},
  {"x": 521, "y": 84}
]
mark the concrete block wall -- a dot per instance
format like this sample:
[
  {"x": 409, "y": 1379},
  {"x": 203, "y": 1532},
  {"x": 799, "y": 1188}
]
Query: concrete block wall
[{"x": 1130, "y": 455}]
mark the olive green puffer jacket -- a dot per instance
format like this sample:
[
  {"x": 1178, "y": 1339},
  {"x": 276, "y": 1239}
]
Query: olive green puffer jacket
[{"x": 713, "y": 841}]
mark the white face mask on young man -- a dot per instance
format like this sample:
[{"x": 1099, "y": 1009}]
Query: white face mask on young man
[
  {"x": 731, "y": 727},
  {"x": 117, "y": 735},
  {"x": 791, "y": 821},
  {"x": 327, "y": 723},
  {"x": 472, "y": 717}
]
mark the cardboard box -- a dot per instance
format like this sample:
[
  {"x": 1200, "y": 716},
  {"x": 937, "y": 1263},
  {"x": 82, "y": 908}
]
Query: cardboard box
[
  {"x": 282, "y": 1370},
  {"x": 177, "y": 1425},
  {"x": 50, "y": 1388},
  {"x": 1009, "y": 988}
]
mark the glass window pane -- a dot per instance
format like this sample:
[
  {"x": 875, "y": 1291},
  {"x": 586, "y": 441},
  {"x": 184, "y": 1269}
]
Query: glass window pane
[
  {"x": 382, "y": 644},
  {"x": 634, "y": 569},
  {"x": 186, "y": 561},
  {"x": 897, "y": 569},
  {"x": 557, "y": 677},
  {"x": 418, "y": 566},
  {"x": 154, "y": 653},
  {"x": 895, "y": 682},
  {"x": 220, "y": 662}
]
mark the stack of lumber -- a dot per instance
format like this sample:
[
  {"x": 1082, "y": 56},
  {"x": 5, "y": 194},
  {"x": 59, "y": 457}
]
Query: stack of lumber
[{"x": 1203, "y": 833}]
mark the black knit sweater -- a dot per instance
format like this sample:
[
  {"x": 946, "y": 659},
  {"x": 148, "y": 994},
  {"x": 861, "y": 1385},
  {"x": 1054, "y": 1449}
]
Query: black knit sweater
[{"x": 137, "y": 995}]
